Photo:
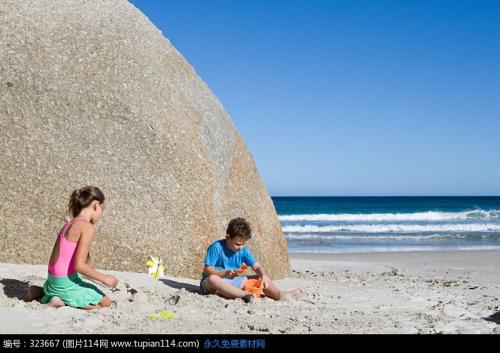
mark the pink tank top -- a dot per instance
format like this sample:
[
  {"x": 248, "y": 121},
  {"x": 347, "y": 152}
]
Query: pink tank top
[{"x": 65, "y": 264}]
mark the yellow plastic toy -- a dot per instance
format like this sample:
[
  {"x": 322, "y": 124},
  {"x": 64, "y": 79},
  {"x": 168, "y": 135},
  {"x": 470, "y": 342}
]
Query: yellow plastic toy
[
  {"x": 156, "y": 269},
  {"x": 162, "y": 315}
]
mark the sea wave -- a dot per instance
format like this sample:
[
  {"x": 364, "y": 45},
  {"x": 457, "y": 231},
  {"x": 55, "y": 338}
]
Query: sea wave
[
  {"x": 393, "y": 228},
  {"x": 385, "y": 237},
  {"x": 371, "y": 249},
  {"x": 374, "y": 217}
]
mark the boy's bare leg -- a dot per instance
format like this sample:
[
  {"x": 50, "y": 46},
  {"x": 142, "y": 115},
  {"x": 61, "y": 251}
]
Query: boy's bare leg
[
  {"x": 272, "y": 291},
  {"x": 217, "y": 285},
  {"x": 297, "y": 293}
]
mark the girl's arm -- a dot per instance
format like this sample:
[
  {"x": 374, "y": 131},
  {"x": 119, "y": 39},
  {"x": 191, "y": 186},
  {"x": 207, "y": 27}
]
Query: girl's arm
[{"x": 82, "y": 252}]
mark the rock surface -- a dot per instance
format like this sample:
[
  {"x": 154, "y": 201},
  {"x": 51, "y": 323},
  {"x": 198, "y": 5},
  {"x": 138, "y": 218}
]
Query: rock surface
[{"x": 92, "y": 93}]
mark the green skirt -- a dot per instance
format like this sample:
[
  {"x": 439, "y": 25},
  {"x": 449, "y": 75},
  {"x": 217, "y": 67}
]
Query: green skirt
[{"x": 72, "y": 290}]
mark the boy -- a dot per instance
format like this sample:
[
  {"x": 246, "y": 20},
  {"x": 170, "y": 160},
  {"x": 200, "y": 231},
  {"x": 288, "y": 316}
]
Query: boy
[{"x": 226, "y": 256}]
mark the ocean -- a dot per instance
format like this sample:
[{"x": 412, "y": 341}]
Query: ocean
[{"x": 381, "y": 224}]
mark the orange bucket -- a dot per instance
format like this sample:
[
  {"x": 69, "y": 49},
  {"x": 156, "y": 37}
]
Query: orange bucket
[{"x": 253, "y": 286}]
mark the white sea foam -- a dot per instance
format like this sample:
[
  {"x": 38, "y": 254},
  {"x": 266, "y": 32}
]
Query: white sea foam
[
  {"x": 395, "y": 237},
  {"x": 375, "y": 217},
  {"x": 394, "y": 228},
  {"x": 369, "y": 249}
]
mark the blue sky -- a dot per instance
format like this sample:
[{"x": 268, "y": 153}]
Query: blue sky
[{"x": 352, "y": 97}]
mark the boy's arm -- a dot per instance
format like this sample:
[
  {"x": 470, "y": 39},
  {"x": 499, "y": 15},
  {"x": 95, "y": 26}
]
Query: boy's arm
[
  {"x": 211, "y": 259},
  {"x": 209, "y": 270},
  {"x": 259, "y": 270}
]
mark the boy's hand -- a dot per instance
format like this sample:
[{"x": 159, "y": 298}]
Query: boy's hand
[
  {"x": 242, "y": 269},
  {"x": 110, "y": 281},
  {"x": 266, "y": 281},
  {"x": 231, "y": 274}
]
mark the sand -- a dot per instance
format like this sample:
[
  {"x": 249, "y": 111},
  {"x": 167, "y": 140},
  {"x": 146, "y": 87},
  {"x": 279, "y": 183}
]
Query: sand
[{"x": 426, "y": 292}]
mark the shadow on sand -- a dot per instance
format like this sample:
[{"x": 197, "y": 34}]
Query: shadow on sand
[
  {"x": 14, "y": 288},
  {"x": 178, "y": 285},
  {"x": 494, "y": 318}
]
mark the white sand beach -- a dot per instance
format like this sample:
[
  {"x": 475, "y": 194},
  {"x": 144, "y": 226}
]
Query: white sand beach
[{"x": 418, "y": 292}]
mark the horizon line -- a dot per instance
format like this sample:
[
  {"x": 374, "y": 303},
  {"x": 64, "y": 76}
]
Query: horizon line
[{"x": 385, "y": 196}]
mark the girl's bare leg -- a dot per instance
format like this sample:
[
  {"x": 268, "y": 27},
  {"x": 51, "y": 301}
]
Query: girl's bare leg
[
  {"x": 55, "y": 302},
  {"x": 104, "y": 303}
]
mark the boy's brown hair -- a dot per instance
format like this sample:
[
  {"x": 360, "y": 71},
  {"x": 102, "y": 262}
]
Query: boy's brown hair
[{"x": 239, "y": 227}]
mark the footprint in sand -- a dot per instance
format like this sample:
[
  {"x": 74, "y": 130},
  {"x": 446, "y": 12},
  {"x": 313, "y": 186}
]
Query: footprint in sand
[
  {"x": 455, "y": 311},
  {"x": 125, "y": 295}
]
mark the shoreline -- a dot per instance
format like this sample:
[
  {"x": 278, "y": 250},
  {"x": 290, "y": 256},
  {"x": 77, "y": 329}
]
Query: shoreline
[{"x": 493, "y": 254}]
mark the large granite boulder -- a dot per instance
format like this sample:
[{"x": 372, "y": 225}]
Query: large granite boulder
[{"x": 92, "y": 93}]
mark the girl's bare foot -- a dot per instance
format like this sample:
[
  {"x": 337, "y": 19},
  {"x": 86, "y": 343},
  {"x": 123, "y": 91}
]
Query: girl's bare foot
[
  {"x": 55, "y": 302},
  {"x": 295, "y": 294},
  {"x": 34, "y": 292}
]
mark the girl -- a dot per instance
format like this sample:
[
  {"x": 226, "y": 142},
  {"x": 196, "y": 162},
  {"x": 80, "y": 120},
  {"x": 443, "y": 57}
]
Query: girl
[{"x": 70, "y": 256}]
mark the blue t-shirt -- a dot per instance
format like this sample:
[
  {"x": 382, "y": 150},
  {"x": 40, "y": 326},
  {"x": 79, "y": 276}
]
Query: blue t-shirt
[{"x": 220, "y": 257}]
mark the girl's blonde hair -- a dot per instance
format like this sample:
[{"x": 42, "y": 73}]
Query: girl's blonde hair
[{"x": 81, "y": 198}]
